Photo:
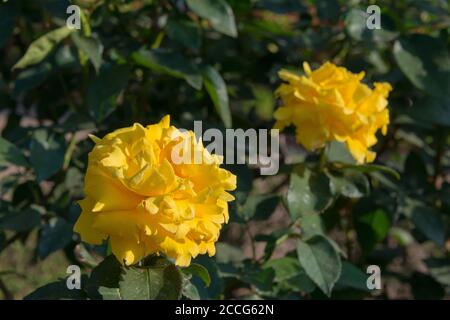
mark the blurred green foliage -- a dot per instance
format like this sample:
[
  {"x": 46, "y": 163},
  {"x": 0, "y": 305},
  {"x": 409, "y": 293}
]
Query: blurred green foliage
[{"x": 217, "y": 61}]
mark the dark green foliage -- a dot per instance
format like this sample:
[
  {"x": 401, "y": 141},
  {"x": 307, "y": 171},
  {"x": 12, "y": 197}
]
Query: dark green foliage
[{"x": 309, "y": 232}]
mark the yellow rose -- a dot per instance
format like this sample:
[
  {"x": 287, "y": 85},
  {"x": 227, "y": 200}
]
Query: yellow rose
[
  {"x": 144, "y": 202},
  {"x": 331, "y": 103}
]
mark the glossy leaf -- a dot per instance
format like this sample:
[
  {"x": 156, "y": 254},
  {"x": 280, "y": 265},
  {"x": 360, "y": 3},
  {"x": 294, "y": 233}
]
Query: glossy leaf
[
  {"x": 356, "y": 27},
  {"x": 321, "y": 262},
  {"x": 372, "y": 227},
  {"x": 258, "y": 207},
  {"x": 429, "y": 221},
  {"x": 10, "y": 154},
  {"x": 309, "y": 192},
  {"x": 92, "y": 47},
  {"x": 352, "y": 277},
  {"x": 428, "y": 70},
  {"x": 290, "y": 274},
  {"x": 184, "y": 32},
  {"x": 54, "y": 236},
  {"x": 41, "y": 47},
  {"x": 338, "y": 152},
  {"x": 23, "y": 220},
  {"x": 218, "y": 13},
  {"x": 101, "y": 99},
  {"x": 217, "y": 90},
  {"x": 56, "y": 291},
  {"x": 350, "y": 183},
  {"x": 149, "y": 283},
  {"x": 46, "y": 153},
  {"x": 196, "y": 269},
  {"x": 171, "y": 63}
]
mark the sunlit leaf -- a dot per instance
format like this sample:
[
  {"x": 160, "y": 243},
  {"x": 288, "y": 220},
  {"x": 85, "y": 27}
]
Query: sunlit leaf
[
  {"x": 217, "y": 90},
  {"x": 218, "y": 13},
  {"x": 40, "y": 48},
  {"x": 171, "y": 63},
  {"x": 321, "y": 262}
]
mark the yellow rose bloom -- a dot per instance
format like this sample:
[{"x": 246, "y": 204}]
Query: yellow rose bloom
[
  {"x": 145, "y": 202},
  {"x": 331, "y": 103}
]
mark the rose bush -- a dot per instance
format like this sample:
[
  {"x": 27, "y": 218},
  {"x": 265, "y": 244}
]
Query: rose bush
[{"x": 88, "y": 174}]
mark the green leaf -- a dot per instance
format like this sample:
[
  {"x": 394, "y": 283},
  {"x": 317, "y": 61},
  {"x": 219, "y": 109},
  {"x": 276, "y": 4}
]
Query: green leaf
[
  {"x": 338, "y": 152},
  {"x": 74, "y": 181},
  {"x": 227, "y": 253},
  {"x": 21, "y": 220},
  {"x": 275, "y": 238},
  {"x": 92, "y": 47},
  {"x": 160, "y": 282},
  {"x": 101, "y": 98},
  {"x": 439, "y": 269},
  {"x": 309, "y": 192},
  {"x": 428, "y": 70},
  {"x": 40, "y": 48},
  {"x": 424, "y": 287},
  {"x": 199, "y": 271},
  {"x": 85, "y": 256},
  {"x": 217, "y": 12},
  {"x": 103, "y": 277},
  {"x": 356, "y": 27},
  {"x": 372, "y": 227},
  {"x": 184, "y": 32},
  {"x": 290, "y": 274},
  {"x": 328, "y": 10},
  {"x": 415, "y": 173},
  {"x": 10, "y": 154},
  {"x": 370, "y": 168},
  {"x": 217, "y": 90},
  {"x": 429, "y": 221},
  {"x": 27, "y": 193},
  {"x": 258, "y": 207},
  {"x": 261, "y": 279},
  {"x": 57, "y": 290},
  {"x": 216, "y": 287},
  {"x": 311, "y": 224},
  {"x": 352, "y": 277},
  {"x": 55, "y": 235},
  {"x": 434, "y": 110},
  {"x": 31, "y": 78},
  {"x": 320, "y": 261},
  {"x": 109, "y": 293},
  {"x": 190, "y": 291},
  {"x": 285, "y": 268},
  {"x": 349, "y": 183},
  {"x": 171, "y": 63},
  {"x": 402, "y": 236},
  {"x": 46, "y": 153}
]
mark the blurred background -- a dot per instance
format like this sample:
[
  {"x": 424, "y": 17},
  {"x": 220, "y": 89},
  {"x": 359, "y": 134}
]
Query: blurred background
[{"x": 217, "y": 61}]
